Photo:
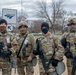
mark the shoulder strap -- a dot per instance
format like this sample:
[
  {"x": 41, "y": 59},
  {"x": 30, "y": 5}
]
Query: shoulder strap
[{"x": 21, "y": 46}]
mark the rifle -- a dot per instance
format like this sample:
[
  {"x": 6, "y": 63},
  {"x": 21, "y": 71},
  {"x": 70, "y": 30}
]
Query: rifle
[
  {"x": 4, "y": 54},
  {"x": 41, "y": 55},
  {"x": 50, "y": 60},
  {"x": 46, "y": 66},
  {"x": 74, "y": 63}
]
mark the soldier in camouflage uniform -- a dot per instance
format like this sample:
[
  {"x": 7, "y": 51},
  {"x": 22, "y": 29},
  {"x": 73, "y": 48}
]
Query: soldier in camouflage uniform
[
  {"x": 70, "y": 37},
  {"x": 48, "y": 44},
  {"x": 25, "y": 57},
  {"x": 5, "y": 48}
]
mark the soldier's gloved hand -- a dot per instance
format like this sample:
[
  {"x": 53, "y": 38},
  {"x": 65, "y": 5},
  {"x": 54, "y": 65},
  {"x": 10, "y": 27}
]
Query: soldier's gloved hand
[
  {"x": 29, "y": 59},
  {"x": 5, "y": 54},
  {"x": 36, "y": 52},
  {"x": 68, "y": 55},
  {"x": 55, "y": 62}
]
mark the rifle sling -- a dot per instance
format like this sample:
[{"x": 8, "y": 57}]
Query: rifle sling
[{"x": 21, "y": 46}]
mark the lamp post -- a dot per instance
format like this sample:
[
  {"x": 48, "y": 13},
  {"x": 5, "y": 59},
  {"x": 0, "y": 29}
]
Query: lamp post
[{"x": 21, "y": 7}]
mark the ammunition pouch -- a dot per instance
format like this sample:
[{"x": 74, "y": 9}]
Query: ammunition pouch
[{"x": 24, "y": 52}]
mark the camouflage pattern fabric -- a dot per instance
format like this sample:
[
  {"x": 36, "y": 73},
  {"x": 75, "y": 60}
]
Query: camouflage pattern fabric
[
  {"x": 71, "y": 37},
  {"x": 5, "y": 65},
  {"x": 28, "y": 54},
  {"x": 48, "y": 44}
]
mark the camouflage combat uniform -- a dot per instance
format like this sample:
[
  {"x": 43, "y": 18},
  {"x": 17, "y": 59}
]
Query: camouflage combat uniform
[
  {"x": 28, "y": 54},
  {"x": 5, "y": 64},
  {"x": 48, "y": 43},
  {"x": 71, "y": 37}
]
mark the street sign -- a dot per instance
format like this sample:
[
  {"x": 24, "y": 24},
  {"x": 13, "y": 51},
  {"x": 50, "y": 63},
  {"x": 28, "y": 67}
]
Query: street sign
[
  {"x": 10, "y": 15},
  {"x": 9, "y": 28}
]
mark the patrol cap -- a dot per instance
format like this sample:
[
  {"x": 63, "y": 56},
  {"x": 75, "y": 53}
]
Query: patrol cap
[
  {"x": 22, "y": 23},
  {"x": 45, "y": 24},
  {"x": 3, "y": 21}
]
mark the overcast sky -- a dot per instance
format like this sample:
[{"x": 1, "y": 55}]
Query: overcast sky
[{"x": 70, "y": 5}]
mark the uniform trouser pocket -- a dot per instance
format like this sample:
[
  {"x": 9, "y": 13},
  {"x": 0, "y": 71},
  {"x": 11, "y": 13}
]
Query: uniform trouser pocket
[
  {"x": 6, "y": 69},
  {"x": 20, "y": 68},
  {"x": 29, "y": 69}
]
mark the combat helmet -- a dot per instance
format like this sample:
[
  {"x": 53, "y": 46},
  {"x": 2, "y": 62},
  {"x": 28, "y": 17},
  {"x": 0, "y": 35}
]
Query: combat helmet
[
  {"x": 71, "y": 21},
  {"x": 22, "y": 23},
  {"x": 72, "y": 24}
]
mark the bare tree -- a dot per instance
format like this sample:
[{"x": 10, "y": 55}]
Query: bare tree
[
  {"x": 22, "y": 17},
  {"x": 55, "y": 15},
  {"x": 42, "y": 10}
]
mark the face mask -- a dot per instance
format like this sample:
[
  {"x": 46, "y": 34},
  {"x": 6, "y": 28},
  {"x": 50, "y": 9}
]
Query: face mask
[{"x": 44, "y": 30}]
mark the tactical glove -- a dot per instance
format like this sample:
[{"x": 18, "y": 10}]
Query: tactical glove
[
  {"x": 55, "y": 62},
  {"x": 36, "y": 52},
  {"x": 69, "y": 55}
]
